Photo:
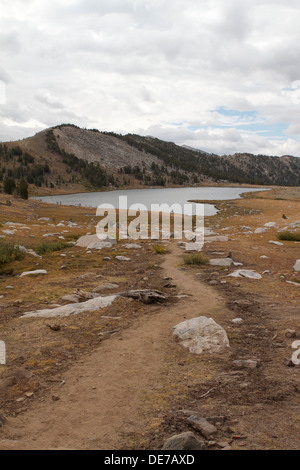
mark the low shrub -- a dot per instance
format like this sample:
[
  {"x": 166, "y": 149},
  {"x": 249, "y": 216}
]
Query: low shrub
[
  {"x": 289, "y": 236},
  {"x": 9, "y": 253},
  {"x": 195, "y": 259},
  {"x": 50, "y": 247},
  {"x": 160, "y": 250}
]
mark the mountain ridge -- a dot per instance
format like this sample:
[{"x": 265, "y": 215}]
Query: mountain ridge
[{"x": 68, "y": 157}]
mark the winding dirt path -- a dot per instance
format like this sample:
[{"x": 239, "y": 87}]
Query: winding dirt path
[{"x": 103, "y": 398}]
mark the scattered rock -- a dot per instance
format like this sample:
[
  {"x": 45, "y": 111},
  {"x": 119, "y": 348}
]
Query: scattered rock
[
  {"x": 194, "y": 246},
  {"x": 203, "y": 426},
  {"x": 223, "y": 445},
  {"x": 73, "y": 309},
  {"x": 221, "y": 262},
  {"x": 99, "y": 245},
  {"x": 276, "y": 243},
  {"x": 122, "y": 258},
  {"x": 3, "y": 421},
  {"x": 237, "y": 321},
  {"x": 271, "y": 225},
  {"x": 37, "y": 272},
  {"x": 245, "y": 364},
  {"x": 290, "y": 333},
  {"x": 28, "y": 251},
  {"x": 71, "y": 299},
  {"x": 297, "y": 284},
  {"x": 146, "y": 296},
  {"x": 88, "y": 240},
  {"x": 184, "y": 441},
  {"x": 289, "y": 363},
  {"x": 132, "y": 246},
  {"x": 170, "y": 286},
  {"x": 201, "y": 335},
  {"x": 245, "y": 273},
  {"x": 9, "y": 232}
]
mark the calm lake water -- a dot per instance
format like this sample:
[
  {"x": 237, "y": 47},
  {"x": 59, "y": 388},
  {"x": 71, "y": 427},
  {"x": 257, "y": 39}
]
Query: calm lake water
[{"x": 151, "y": 196}]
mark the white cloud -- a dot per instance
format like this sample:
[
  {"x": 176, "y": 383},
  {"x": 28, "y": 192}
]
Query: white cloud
[{"x": 137, "y": 65}]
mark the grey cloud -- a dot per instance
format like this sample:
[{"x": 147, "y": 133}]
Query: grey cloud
[{"x": 140, "y": 64}]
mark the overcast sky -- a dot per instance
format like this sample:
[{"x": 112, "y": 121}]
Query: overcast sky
[{"x": 219, "y": 75}]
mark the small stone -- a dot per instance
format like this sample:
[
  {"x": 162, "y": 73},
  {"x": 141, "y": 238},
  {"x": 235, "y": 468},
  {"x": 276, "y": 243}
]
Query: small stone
[
  {"x": 223, "y": 445},
  {"x": 237, "y": 321},
  {"x": 246, "y": 364},
  {"x": 2, "y": 420},
  {"x": 203, "y": 426},
  {"x": 122, "y": 258},
  {"x": 289, "y": 363},
  {"x": 290, "y": 333},
  {"x": 55, "y": 398},
  {"x": 184, "y": 441}
]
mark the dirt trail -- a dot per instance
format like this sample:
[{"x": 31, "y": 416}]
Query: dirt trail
[{"x": 103, "y": 399}]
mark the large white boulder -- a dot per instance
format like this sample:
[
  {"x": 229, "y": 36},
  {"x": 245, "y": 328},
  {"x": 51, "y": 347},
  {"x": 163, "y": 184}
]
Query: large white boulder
[
  {"x": 88, "y": 240},
  {"x": 91, "y": 305},
  {"x": 202, "y": 335}
]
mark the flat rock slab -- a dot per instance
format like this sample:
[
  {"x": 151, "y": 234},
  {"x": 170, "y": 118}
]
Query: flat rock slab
[
  {"x": 132, "y": 246},
  {"x": 122, "y": 258},
  {"x": 194, "y": 246},
  {"x": 202, "y": 335},
  {"x": 272, "y": 242},
  {"x": 203, "y": 426},
  {"x": 99, "y": 245},
  {"x": 3, "y": 421},
  {"x": 73, "y": 309},
  {"x": 248, "y": 273},
  {"x": 38, "y": 272},
  {"x": 271, "y": 225},
  {"x": 221, "y": 262},
  {"x": 184, "y": 441},
  {"x": 73, "y": 299}
]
